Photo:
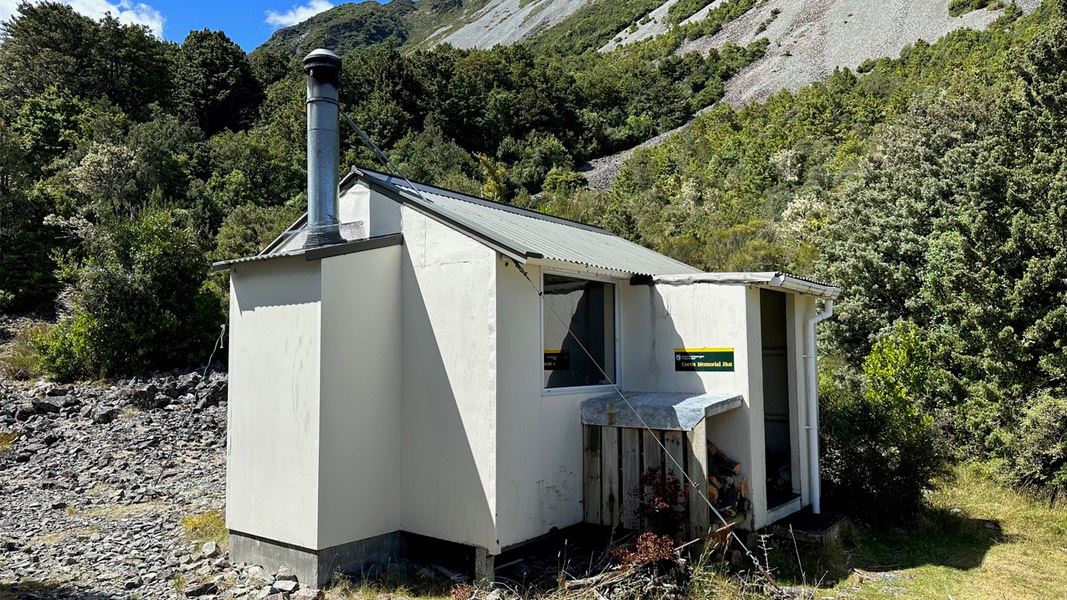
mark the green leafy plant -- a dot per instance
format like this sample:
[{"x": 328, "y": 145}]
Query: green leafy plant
[
  {"x": 962, "y": 7},
  {"x": 139, "y": 302},
  {"x": 1039, "y": 447},
  {"x": 882, "y": 449}
]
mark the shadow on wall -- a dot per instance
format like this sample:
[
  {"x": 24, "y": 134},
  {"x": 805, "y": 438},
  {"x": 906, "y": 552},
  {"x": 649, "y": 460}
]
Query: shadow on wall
[
  {"x": 442, "y": 491},
  {"x": 586, "y": 318},
  {"x": 278, "y": 282}
]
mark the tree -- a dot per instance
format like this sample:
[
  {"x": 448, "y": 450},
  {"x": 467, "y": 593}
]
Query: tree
[
  {"x": 1039, "y": 450},
  {"x": 270, "y": 66},
  {"x": 139, "y": 302},
  {"x": 48, "y": 44},
  {"x": 133, "y": 69},
  {"x": 533, "y": 158},
  {"x": 167, "y": 151},
  {"x": 48, "y": 124},
  {"x": 25, "y": 270},
  {"x": 107, "y": 176},
  {"x": 215, "y": 86},
  {"x": 429, "y": 156}
]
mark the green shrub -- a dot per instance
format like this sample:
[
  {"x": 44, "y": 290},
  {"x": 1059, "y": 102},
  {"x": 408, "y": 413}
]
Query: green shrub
[
  {"x": 962, "y": 7},
  {"x": 533, "y": 158},
  {"x": 1039, "y": 447},
  {"x": 684, "y": 9},
  {"x": 139, "y": 302},
  {"x": 882, "y": 448},
  {"x": 64, "y": 350},
  {"x": 563, "y": 181}
]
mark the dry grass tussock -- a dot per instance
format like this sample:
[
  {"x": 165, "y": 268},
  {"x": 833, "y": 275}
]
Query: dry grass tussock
[
  {"x": 206, "y": 527},
  {"x": 18, "y": 359},
  {"x": 7, "y": 439}
]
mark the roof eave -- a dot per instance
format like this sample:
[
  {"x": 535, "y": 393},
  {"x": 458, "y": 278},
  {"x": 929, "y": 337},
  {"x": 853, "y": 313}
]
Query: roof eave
[
  {"x": 317, "y": 253},
  {"x": 765, "y": 279}
]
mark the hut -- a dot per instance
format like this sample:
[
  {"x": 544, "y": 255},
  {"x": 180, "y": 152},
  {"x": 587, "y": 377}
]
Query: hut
[{"x": 411, "y": 362}]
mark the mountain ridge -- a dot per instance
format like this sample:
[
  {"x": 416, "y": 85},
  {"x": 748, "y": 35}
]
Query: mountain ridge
[{"x": 461, "y": 23}]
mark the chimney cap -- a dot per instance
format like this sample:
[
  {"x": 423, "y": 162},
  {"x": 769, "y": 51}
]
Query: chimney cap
[{"x": 322, "y": 58}]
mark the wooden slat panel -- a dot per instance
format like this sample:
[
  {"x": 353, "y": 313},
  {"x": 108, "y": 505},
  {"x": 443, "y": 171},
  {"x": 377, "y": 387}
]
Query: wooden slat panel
[
  {"x": 631, "y": 477},
  {"x": 651, "y": 458},
  {"x": 609, "y": 462},
  {"x": 697, "y": 467},
  {"x": 673, "y": 440},
  {"x": 651, "y": 450},
  {"x": 591, "y": 473}
]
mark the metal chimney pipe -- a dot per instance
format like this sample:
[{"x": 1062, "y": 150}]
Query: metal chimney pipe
[{"x": 323, "y": 69}]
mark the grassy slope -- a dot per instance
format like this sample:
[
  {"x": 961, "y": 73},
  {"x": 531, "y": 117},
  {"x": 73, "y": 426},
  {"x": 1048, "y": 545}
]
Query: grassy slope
[
  {"x": 976, "y": 540},
  {"x": 593, "y": 25},
  {"x": 345, "y": 27}
]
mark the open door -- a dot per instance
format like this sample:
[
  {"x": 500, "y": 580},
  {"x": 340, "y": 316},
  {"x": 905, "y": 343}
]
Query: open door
[{"x": 776, "y": 400}]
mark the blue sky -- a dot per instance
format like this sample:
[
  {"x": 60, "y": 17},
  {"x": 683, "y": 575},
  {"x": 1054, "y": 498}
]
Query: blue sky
[{"x": 248, "y": 23}]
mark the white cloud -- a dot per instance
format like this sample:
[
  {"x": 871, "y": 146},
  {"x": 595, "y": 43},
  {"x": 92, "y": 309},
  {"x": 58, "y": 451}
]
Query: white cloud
[
  {"x": 7, "y": 8},
  {"x": 125, "y": 11},
  {"x": 298, "y": 13}
]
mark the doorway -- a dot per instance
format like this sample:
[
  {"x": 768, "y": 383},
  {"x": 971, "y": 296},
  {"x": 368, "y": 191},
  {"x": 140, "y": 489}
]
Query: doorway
[{"x": 777, "y": 425}]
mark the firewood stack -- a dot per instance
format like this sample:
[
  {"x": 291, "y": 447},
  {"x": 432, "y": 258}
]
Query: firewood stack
[{"x": 727, "y": 490}]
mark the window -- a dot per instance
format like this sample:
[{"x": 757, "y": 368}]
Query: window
[{"x": 588, "y": 307}]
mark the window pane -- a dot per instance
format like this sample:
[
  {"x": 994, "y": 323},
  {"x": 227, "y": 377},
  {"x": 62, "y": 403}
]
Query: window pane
[{"x": 588, "y": 307}]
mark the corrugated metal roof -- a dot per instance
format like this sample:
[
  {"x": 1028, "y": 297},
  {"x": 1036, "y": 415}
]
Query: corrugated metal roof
[
  {"x": 530, "y": 233},
  {"x": 769, "y": 279}
]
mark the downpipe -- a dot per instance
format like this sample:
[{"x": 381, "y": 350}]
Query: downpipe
[{"x": 813, "y": 403}]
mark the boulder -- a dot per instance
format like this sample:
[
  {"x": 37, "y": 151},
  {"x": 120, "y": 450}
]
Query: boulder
[
  {"x": 58, "y": 390},
  {"x": 209, "y": 550},
  {"x": 257, "y": 577},
  {"x": 286, "y": 586},
  {"x": 24, "y": 411},
  {"x": 285, "y": 574},
  {"x": 200, "y": 588},
  {"x": 104, "y": 414},
  {"x": 44, "y": 406}
]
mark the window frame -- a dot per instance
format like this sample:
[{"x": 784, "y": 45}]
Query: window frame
[{"x": 616, "y": 341}]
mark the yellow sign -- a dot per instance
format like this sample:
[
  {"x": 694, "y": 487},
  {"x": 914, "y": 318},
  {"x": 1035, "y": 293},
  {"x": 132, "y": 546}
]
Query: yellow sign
[{"x": 703, "y": 359}]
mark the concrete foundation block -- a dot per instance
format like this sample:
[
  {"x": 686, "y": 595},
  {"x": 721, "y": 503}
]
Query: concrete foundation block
[
  {"x": 316, "y": 568},
  {"x": 484, "y": 567}
]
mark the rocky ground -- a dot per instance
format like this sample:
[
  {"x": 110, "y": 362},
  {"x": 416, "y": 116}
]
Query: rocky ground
[{"x": 96, "y": 481}]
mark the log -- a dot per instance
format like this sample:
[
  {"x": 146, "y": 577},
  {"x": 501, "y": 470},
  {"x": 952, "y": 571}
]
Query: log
[
  {"x": 724, "y": 463},
  {"x": 745, "y": 489},
  {"x": 722, "y": 535},
  {"x": 728, "y": 498},
  {"x": 713, "y": 493},
  {"x": 577, "y": 584}
]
